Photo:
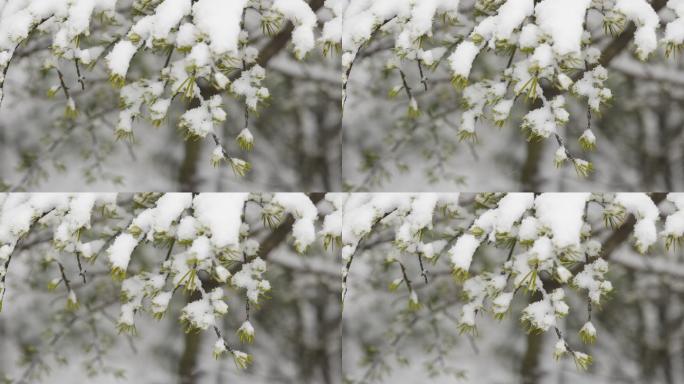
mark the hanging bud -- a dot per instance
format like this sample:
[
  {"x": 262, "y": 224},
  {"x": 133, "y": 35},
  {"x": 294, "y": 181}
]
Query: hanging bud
[
  {"x": 559, "y": 350},
  {"x": 72, "y": 301},
  {"x": 219, "y": 349},
  {"x": 217, "y": 156},
  {"x": 588, "y": 333},
  {"x": 582, "y": 360},
  {"x": 240, "y": 167},
  {"x": 246, "y": 333},
  {"x": 242, "y": 360},
  {"x": 245, "y": 140},
  {"x": 588, "y": 140}
]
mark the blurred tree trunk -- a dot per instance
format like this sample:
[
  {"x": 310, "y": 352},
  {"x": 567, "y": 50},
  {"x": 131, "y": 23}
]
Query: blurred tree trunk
[
  {"x": 187, "y": 178},
  {"x": 187, "y": 367},
  {"x": 192, "y": 342},
  {"x": 529, "y": 371},
  {"x": 529, "y": 178}
]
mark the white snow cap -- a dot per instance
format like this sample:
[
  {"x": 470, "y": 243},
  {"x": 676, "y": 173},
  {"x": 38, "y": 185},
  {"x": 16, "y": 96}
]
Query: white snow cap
[
  {"x": 563, "y": 214},
  {"x": 221, "y": 213},
  {"x": 462, "y": 252},
  {"x": 674, "y": 224},
  {"x": 220, "y": 21},
  {"x": 646, "y": 213},
  {"x": 305, "y": 213},
  {"x": 120, "y": 251},
  {"x": 564, "y": 21}
]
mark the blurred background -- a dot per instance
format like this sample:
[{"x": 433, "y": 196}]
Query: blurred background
[
  {"x": 297, "y": 326},
  {"x": 296, "y": 132},
  {"x": 640, "y": 326},
  {"x": 640, "y": 141}
]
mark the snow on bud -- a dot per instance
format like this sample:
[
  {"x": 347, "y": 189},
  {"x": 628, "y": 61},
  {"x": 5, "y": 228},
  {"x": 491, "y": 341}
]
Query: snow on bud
[
  {"x": 606, "y": 287},
  {"x": 646, "y": 235},
  {"x": 588, "y": 140},
  {"x": 564, "y": 81},
  {"x": 563, "y": 274},
  {"x": 583, "y": 167},
  {"x": 394, "y": 285},
  {"x": 528, "y": 231},
  {"x": 118, "y": 61},
  {"x": 88, "y": 250},
  {"x": 246, "y": 332},
  {"x": 413, "y": 303},
  {"x": 588, "y": 333},
  {"x": 158, "y": 111},
  {"x": 222, "y": 274},
  {"x": 304, "y": 212},
  {"x": 245, "y": 140},
  {"x": 200, "y": 249},
  {"x": 70, "y": 111},
  {"x": 239, "y": 166},
  {"x": 394, "y": 91},
  {"x": 538, "y": 316},
  {"x": 674, "y": 223},
  {"x": 501, "y": 304},
  {"x": 217, "y": 156},
  {"x": 250, "y": 246},
  {"x": 119, "y": 254},
  {"x": 221, "y": 81},
  {"x": 560, "y": 156},
  {"x": 160, "y": 303},
  {"x": 125, "y": 323},
  {"x": 242, "y": 360},
  {"x": 501, "y": 111},
  {"x": 53, "y": 284},
  {"x": 461, "y": 62},
  {"x": 187, "y": 230},
  {"x": 216, "y": 298},
  {"x": 560, "y": 349},
  {"x": 560, "y": 308},
  {"x": 461, "y": 254},
  {"x": 304, "y": 20},
  {"x": 593, "y": 248},
  {"x": 218, "y": 115},
  {"x": 541, "y": 58},
  {"x": 219, "y": 349},
  {"x": 264, "y": 286},
  {"x": 413, "y": 110},
  {"x": 198, "y": 315},
  {"x": 220, "y": 307},
  {"x": 582, "y": 360},
  {"x": 72, "y": 301},
  {"x": 542, "y": 250},
  {"x": 466, "y": 323}
]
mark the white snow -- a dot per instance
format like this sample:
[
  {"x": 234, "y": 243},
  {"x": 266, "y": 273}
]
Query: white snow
[
  {"x": 646, "y": 20},
  {"x": 461, "y": 254},
  {"x": 563, "y": 214},
  {"x": 461, "y": 61},
  {"x": 221, "y": 214},
  {"x": 119, "y": 59},
  {"x": 305, "y": 214},
  {"x": 119, "y": 253},
  {"x": 220, "y": 21},
  {"x": 564, "y": 21},
  {"x": 646, "y": 213}
]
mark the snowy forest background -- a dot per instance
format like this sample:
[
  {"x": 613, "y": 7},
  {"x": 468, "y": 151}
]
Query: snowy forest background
[
  {"x": 407, "y": 311},
  {"x": 386, "y": 47},
  {"x": 342, "y": 95}
]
